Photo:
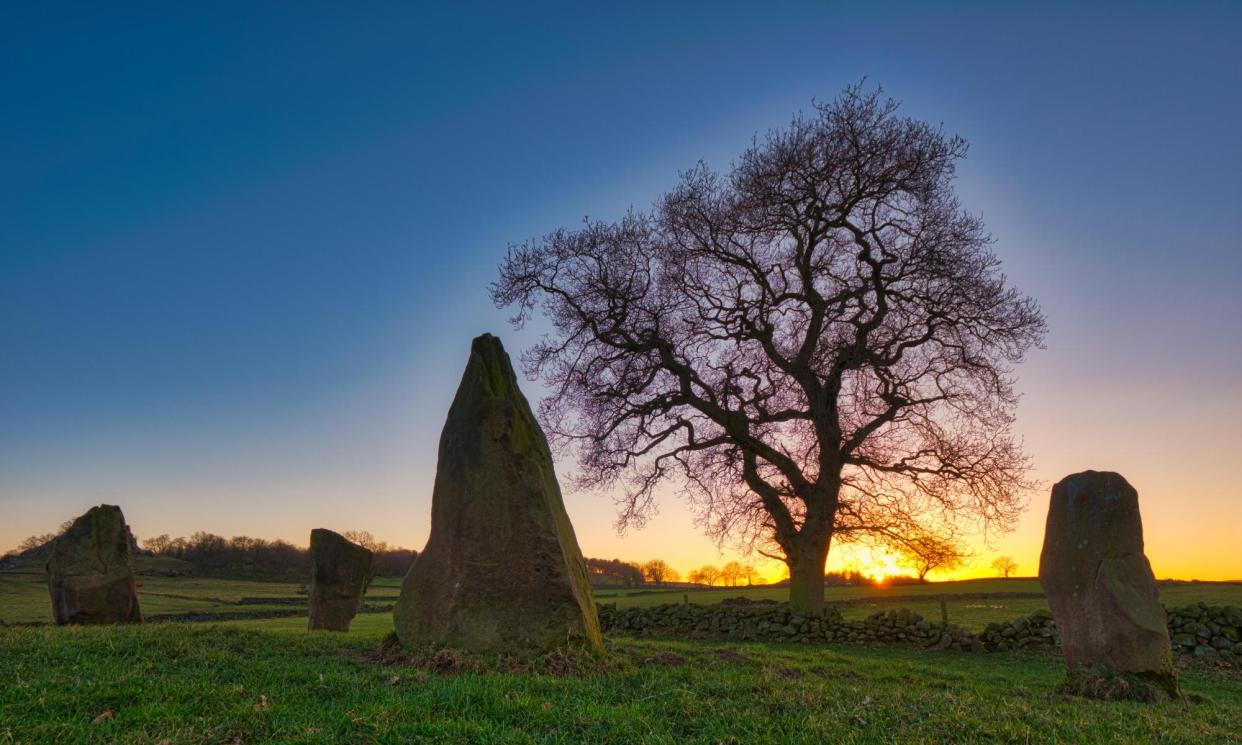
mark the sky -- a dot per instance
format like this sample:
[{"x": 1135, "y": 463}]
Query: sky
[{"x": 244, "y": 247}]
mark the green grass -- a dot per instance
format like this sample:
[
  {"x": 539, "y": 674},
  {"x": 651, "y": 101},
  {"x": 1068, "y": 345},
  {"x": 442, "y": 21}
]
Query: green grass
[
  {"x": 254, "y": 681},
  {"x": 265, "y": 679},
  {"x": 24, "y": 598},
  {"x": 1180, "y": 593},
  {"x": 24, "y": 594},
  {"x": 1005, "y": 601}
]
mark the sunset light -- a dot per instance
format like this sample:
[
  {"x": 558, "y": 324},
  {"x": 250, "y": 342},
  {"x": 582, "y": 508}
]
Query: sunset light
[{"x": 783, "y": 372}]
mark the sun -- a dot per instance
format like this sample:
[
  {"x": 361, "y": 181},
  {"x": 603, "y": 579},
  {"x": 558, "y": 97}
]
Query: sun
[
  {"x": 875, "y": 563},
  {"x": 882, "y": 569}
]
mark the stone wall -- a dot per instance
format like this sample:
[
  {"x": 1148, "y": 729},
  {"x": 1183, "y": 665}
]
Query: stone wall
[
  {"x": 724, "y": 621},
  {"x": 1206, "y": 631},
  {"x": 1197, "y": 629}
]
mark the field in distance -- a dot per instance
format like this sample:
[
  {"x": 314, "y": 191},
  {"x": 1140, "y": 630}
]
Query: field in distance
[
  {"x": 24, "y": 595},
  {"x": 970, "y": 603}
]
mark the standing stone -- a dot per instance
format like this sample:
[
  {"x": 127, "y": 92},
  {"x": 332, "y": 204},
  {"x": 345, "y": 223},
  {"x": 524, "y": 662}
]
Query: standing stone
[
  {"x": 502, "y": 571},
  {"x": 340, "y": 572},
  {"x": 89, "y": 573},
  {"x": 1103, "y": 593}
]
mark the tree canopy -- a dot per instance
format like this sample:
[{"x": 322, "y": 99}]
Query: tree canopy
[{"x": 818, "y": 344}]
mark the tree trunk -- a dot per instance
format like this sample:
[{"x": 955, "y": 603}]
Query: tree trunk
[{"x": 806, "y": 578}]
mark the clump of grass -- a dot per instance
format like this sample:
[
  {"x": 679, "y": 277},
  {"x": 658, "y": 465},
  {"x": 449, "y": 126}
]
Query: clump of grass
[
  {"x": 570, "y": 661},
  {"x": 1106, "y": 685}
]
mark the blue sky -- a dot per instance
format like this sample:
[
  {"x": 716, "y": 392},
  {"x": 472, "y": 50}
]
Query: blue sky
[{"x": 243, "y": 247}]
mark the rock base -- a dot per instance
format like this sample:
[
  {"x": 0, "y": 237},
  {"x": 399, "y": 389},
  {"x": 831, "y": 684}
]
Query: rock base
[{"x": 1105, "y": 685}]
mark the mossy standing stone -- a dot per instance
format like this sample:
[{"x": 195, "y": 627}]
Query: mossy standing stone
[
  {"x": 89, "y": 574},
  {"x": 502, "y": 571},
  {"x": 340, "y": 573},
  {"x": 1102, "y": 591}
]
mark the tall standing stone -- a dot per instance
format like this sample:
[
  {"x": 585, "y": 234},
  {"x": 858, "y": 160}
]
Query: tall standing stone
[
  {"x": 340, "y": 572},
  {"x": 502, "y": 571},
  {"x": 89, "y": 573},
  {"x": 1103, "y": 593}
]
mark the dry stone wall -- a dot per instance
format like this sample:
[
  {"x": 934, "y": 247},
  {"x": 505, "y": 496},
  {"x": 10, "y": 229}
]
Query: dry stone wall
[
  {"x": 1205, "y": 631},
  {"x": 1198, "y": 630}
]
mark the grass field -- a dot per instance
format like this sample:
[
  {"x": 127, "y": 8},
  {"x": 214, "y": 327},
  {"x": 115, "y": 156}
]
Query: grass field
[
  {"x": 1005, "y": 600},
  {"x": 262, "y": 681},
  {"x": 970, "y": 603},
  {"x": 24, "y": 595}
]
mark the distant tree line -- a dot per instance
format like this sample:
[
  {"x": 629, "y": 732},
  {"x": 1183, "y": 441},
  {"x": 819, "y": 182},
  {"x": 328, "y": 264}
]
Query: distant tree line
[
  {"x": 730, "y": 575},
  {"x": 32, "y": 543},
  {"x": 390, "y": 561},
  {"x": 733, "y": 574},
  {"x": 36, "y": 545},
  {"x": 614, "y": 572},
  {"x": 658, "y": 572},
  {"x": 246, "y": 556}
]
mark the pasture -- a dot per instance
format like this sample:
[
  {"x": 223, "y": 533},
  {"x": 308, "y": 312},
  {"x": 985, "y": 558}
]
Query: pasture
[
  {"x": 970, "y": 603},
  {"x": 270, "y": 680},
  {"x": 250, "y": 672}
]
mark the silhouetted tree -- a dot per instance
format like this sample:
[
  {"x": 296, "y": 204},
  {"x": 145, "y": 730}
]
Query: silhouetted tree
[
  {"x": 365, "y": 539},
  {"x": 36, "y": 541},
  {"x": 160, "y": 544},
  {"x": 1005, "y": 566},
  {"x": 818, "y": 344},
  {"x": 732, "y": 574},
  {"x": 748, "y": 574},
  {"x": 709, "y": 574},
  {"x": 246, "y": 556},
  {"x": 926, "y": 553},
  {"x": 657, "y": 571},
  {"x": 389, "y": 561}
]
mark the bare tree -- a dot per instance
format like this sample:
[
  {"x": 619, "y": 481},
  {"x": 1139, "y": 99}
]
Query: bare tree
[
  {"x": 657, "y": 571},
  {"x": 748, "y": 574},
  {"x": 1005, "y": 566},
  {"x": 709, "y": 574},
  {"x": 732, "y": 574},
  {"x": 818, "y": 344},
  {"x": 927, "y": 552},
  {"x": 365, "y": 539},
  {"x": 160, "y": 544},
  {"x": 36, "y": 541}
]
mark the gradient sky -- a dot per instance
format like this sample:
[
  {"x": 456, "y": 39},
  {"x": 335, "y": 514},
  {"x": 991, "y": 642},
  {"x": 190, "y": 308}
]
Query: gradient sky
[{"x": 243, "y": 252}]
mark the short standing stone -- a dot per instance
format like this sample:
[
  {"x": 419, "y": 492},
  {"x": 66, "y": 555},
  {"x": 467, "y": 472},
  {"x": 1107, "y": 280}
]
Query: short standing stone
[
  {"x": 89, "y": 573},
  {"x": 340, "y": 572},
  {"x": 502, "y": 571},
  {"x": 1103, "y": 593}
]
